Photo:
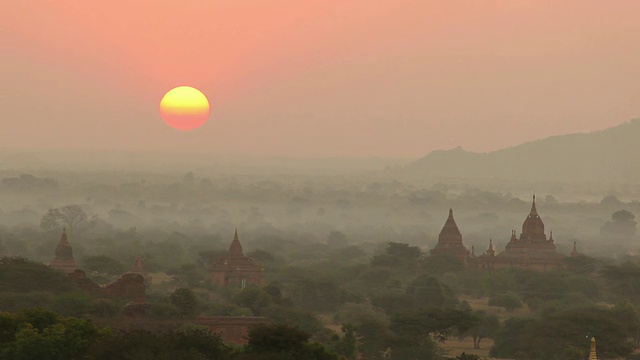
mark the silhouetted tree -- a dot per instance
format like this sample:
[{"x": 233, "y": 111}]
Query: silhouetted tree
[
  {"x": 622, "y": 224},
  {"x": 486, "y": 327},
  {"x": 73, "y": 217}
]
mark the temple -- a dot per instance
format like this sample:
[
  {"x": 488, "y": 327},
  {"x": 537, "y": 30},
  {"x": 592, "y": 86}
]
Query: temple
[
  {"x": 532, "y": 250},
  {"x": 236, "y": 269},
  {"x": 63, "y": 259},
  {"x": 129, "y": 286},
  {"x": 138, "y": 266},
  {"x": 450, "y": 240}
]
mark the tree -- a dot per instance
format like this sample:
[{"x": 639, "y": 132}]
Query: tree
[
  {"x": 623, "y": 280},
  {"x": 292, "y": 316},
  {"x": 414, "y": 331},
  {"x": 441, "y": 264},
  {"x": 283, "y": 342},
  {"x": 253, "y": 298},
  {"x": 623, "y": 216},
  {"x": 371, "y": 326},
  {"x": 185, "y": 300},
  {"x": 429, "y": 292},
  {"x": 41, "y": 334},
  {"x": 336, "y": 239},
  {"x": 509, "y": 301},
  {"x": 18, "y": 275},
  {"x": 192, "y": 344},
  {"x": 403, "y": 251},
  {"x": 276, "y": 338},
  {"x": 465, "y": 356},
  {"x": 347, "y": 345},
  {"x": 486, "y": 327},
  {"x": 316, "y": 291},
  {"x": 72, "y": 304},
  {"x": 495, "y": 282},
  {"x": 551, "y": 335},
  {"x": 73, "y": 217},
  {"x": 192, "y": 275},
  {"x": 628, "y": 314},
  {"x": 622, "y": 225},
  {"x": 437, "y": 323},
  {"x": 610, "y": 201}
]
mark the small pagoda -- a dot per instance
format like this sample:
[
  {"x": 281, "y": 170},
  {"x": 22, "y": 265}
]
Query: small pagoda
[{"x": 63, "y": 259}]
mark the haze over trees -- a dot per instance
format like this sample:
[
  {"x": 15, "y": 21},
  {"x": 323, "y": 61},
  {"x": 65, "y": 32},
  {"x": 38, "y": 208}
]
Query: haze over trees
[{"x": 346, "y": 255}]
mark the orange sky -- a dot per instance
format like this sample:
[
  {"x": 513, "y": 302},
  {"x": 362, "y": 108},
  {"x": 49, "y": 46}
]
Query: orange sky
[{"x": 393, "y": 78}]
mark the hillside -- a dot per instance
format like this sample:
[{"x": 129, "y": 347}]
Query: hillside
[{"x": 609, "y": 155}]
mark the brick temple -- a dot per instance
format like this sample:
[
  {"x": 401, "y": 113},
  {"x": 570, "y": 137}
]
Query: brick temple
[
  {"x": 531, "y": 250},
  {"x": 236, "y": 269},
  {"x": 450, "y": 240}
]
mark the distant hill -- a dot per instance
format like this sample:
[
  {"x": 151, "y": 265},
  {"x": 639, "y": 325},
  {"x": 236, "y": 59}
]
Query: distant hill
[{"x": 610, "y": 155}]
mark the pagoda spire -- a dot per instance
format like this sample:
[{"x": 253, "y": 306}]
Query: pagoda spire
[
  {"x": 235, "y": 249},
  {"x": 450, "y": 228},
  {"x": 63, "y": 259},
  {"x": 138, "y": 266},
  {"x": 490, "y": 250},
  {"x": 534, "y": 211},
  {"x": 450, "y": 240},
  {"x": 63, "y": 238},
  {"x": 592, "y": 353}
]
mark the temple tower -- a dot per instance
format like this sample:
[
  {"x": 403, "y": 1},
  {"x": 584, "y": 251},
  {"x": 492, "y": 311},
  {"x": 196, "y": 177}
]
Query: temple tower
[
  {"x": 63, "y": 259},
  {"x": 491, "y": 251},
  {"x": 574, "y": 252},
  {"x": 138, "y": 266},
  {"x": 532, "y": 250},
  {"x": 450, "y": 240}
]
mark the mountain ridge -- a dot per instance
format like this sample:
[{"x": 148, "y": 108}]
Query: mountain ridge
[{"x": 603, "y": 155}]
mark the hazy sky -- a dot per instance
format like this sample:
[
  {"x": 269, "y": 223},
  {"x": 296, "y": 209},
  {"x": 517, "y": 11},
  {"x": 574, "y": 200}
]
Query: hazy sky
[{"x": 393, "y": 78}]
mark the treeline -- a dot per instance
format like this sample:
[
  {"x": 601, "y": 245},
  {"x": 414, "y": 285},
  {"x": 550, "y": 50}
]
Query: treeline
[
  {"x": 389, "y": 298},
  {"x": 364, "y": 208},
  {"x": 45, "y": 335}
]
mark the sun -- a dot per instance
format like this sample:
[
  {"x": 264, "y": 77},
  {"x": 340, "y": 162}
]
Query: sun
[{"x": 184, "y": 108}]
